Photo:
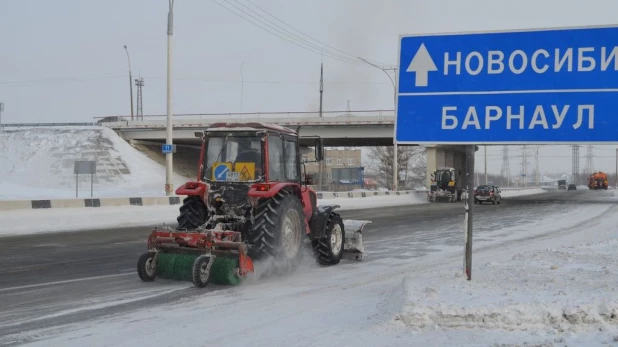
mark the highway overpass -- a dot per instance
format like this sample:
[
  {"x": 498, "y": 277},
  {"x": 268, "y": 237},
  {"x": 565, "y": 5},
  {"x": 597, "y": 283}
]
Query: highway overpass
[{"x": 345, "y": 128}]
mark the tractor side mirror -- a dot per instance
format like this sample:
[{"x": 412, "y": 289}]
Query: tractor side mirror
[{"x": 319, "y": 149}]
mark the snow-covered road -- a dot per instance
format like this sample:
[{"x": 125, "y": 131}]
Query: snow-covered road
[{"x": 408, "y": 291}]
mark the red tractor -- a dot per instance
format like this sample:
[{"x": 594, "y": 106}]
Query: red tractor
[{"x": 249, "y": 202}]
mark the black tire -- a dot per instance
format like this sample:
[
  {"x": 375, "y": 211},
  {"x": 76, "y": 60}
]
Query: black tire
[
  {"x": 200, "y": 272},
  {"x": 323, "y": 249},
  {"x": 192, "y": 213},
  {"x": 144, "y": 261},
  {"x": 493, "y": 202},
  {"x": 265, "y": 236}
]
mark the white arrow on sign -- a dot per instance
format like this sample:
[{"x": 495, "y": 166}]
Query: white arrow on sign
[{"x": 422, "y": 64}]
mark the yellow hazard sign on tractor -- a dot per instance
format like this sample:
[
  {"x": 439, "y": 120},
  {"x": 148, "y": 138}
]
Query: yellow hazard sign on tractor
[
  {"x": 246, "y": 171},
  {"x": 241, "y": 172}
]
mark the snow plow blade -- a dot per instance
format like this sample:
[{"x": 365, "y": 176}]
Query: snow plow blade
[{"x": 353, "y": 244}]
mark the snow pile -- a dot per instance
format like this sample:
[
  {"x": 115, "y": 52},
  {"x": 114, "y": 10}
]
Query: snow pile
[
  {"x": 572, "y": 290},
  {"x": 37, "y": 163},
  {"x": 523, "y": 192},
  {"x": 375, "y": 201}
]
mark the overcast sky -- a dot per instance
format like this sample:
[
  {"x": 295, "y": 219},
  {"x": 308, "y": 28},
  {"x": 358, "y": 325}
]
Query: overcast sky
[{"x": 63, "y": 60}]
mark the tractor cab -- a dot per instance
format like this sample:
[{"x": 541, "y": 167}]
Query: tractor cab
[
  {"x": 445, "y": 178},
  {"x": 444, "y": 185},
  {"x": 260, "y": 153},
  {"x": 233, "y": 158}
]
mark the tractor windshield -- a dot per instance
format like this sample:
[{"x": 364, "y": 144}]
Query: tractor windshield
[{"x": 233, "y": 159}]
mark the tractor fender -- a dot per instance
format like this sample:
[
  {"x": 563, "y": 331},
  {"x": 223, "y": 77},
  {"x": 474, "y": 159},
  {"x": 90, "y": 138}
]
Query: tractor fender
[
  {"x": 192, "y": 189},
  {"x": 319, "y": 220}
]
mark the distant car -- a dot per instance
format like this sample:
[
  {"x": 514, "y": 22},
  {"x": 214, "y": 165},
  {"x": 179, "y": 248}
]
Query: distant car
[
  {"x": 487, "y": 193},
  {"x": 572, "y": 187},
  {"x": 562, "y": 184}
]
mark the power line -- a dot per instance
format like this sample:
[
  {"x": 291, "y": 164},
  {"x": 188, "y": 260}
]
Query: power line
[
  {"x": 285, "y": 34},
  {"x": 354, "y": 57},
  {"x": 273, "y": 30},
  {"x": 285, "y": 31}
]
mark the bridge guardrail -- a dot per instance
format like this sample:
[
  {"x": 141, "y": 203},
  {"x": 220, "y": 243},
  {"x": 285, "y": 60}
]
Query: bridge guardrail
[{"x": 281, "y": 118}]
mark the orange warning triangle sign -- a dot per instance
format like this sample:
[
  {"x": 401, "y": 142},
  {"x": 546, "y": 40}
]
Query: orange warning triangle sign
[{"x": 245, "y": 175}]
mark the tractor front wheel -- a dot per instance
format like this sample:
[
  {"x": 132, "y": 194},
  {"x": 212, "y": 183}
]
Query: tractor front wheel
[
  {"x": 201, "y": 271},
  {"x": 146, "y": 270},
  {"x": 192, "y": 213},
  {"x": 329, "y": 249}
]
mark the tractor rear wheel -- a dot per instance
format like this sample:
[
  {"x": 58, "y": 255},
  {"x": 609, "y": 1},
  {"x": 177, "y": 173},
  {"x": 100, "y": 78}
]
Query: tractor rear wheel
[
  {"x": 192, "y": 213},
  {"x": 329, "y": 249},
  {"x": 277, "y": 230}
]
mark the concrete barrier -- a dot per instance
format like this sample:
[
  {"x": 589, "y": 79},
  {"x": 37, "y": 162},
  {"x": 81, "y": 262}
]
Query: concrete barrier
[
  {"x": 10, "y": 205},
  {"x": 15, "y": 205}
]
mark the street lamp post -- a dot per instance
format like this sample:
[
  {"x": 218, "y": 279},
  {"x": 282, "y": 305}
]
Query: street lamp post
[
  {"x": 169, "y": 186},
  {"x": 130, "y": 80},
  {"x": 395, "y": 164}
]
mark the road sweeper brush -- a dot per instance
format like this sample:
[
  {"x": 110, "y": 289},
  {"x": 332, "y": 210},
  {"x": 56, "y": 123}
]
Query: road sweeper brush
[
  {"x": 249, "y": 202},
  {"x": 218, "y": 257}
]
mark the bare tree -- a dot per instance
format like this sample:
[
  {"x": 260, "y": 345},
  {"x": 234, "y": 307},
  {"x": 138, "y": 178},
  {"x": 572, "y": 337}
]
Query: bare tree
[{"x": 410, "y": 160}]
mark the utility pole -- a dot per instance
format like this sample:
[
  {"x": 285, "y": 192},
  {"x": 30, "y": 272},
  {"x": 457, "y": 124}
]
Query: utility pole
[
  {"x": 242, "y": 85},
  {"x": 506, "y": 170},
  {"x": 523, "y": 164},
  {"x": 536, "y": 166},
  {"x": 485, "y": 164},
  {"x": 395, "y": 163},
  {"x": 575, "y": 165},
  {"x": 139, "y": 82},
  {"x": 169, "y": 186},
  {"x": 589, "y": 160},
  {"x": 130, "y": 80},
  {"x": 321, "y": 163}
]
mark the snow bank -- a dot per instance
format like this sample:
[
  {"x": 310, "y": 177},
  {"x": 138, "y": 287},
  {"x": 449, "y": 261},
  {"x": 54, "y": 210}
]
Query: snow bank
[
  {"x": 23, "y": 222},
  {"x": 37, "y": 163},
  {"x": 72, "y": 219},
  {"x": 551, "y": 295},
  {"x": 523, "y": 192},
  {"x": 375, "y": 201}
]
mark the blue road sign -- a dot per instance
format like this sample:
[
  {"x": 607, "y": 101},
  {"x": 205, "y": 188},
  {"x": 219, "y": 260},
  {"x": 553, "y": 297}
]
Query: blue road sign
[
  {"x": 535, "y": 86},
  {"x": 167, "y": 149},
  {"x": 221, "y": 172}
]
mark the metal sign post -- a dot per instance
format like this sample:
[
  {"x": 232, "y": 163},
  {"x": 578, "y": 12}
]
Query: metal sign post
[
  {"x": 84, "y": 168},
  {"x": 538, "y": 86},
  {"x": 469, "y": 206}
]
